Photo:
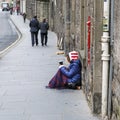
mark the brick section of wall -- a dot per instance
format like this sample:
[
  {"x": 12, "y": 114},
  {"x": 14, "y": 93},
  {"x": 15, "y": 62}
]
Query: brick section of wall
[{"x": 116, "y": 73}]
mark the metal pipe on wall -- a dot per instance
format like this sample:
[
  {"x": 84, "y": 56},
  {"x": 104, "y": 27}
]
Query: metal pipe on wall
[
  {"x": 111, "y": 57},
  {"x": 105, "y": 58}
]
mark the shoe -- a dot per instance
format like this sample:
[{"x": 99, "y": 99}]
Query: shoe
[
  {"x": 78, "y": 87},
  {"x": 47, "y": 87}
]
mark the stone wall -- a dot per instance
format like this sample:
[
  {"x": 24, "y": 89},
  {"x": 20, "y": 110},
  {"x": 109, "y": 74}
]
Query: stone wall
[
  {"x": 116, "y": 64},
  {"x": 42, "y": 10},
  {"x": 39, "y": 8},
  {"x": 30, "y": 8},
  {"x": 93, "y": 84},
  {"x": 68, "y": 19},
  {"x": 70, "y": 22},
  {"x": 57, "y": 21}
]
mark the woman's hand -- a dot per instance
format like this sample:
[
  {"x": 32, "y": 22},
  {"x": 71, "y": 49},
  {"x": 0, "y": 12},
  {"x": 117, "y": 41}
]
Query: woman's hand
[{"x": 61, "y": 66}]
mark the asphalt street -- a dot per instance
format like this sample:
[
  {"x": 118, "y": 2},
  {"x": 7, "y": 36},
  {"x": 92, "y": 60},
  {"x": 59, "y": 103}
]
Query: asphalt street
[{"x": 8, "y": 34}]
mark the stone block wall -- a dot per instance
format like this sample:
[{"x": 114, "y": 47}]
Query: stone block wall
[
  {"x": 70, "y": 20},
  {"x": 42, "y": 10},
  {"x": 30, "y": 8},
  {"x": 93, "y": 77},
  {"x": 57, "y": 21},
  {"x": 116, "y": 64}
]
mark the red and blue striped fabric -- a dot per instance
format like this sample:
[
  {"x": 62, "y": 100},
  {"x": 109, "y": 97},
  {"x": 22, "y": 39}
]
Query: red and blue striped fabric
[{"x": 58, "y": 81}]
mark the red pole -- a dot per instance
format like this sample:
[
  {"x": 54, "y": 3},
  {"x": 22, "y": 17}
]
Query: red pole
[{"x": 89, "y": 32}]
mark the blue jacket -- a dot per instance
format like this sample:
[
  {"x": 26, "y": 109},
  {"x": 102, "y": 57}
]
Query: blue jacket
[{"x": 73, "y": 72}]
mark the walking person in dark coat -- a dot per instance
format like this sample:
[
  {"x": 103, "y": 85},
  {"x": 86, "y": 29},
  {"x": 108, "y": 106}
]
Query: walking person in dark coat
[
  {"x": 11, "y": 10},
  {"x": 24, "y": 17},
  {"x": 34, "y": 28},
  {"x": 44, "y": 26},
  {"x": 17, "y": 10}
]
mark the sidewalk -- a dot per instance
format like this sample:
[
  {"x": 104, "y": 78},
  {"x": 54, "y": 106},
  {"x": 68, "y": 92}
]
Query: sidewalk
[{"x": 24, "y": 73}]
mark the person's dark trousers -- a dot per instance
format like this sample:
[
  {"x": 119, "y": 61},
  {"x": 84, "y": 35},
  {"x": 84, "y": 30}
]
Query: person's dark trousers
[
  {"x": 34, "y": 35},
  {"x": 24, "y": 20},
  {"x": 43, "y": 37},
  {"x": 46, "y": 38}
]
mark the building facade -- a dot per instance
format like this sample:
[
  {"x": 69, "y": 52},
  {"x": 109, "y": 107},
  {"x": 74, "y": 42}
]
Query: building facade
[
  {"x": 39, "y": 8},
  {"x": 78, "y": 25},
  {"x": 116, "y": 62},
  {"x": 23, "y": 6},
  {"x": 9, "y": 1}
]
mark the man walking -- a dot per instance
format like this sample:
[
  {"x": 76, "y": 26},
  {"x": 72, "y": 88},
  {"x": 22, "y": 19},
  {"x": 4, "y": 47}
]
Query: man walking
[
  {"x": 34, "y": 28},
  {"x": 24, "y": 17},
  {"x": 44, "y": 26}
]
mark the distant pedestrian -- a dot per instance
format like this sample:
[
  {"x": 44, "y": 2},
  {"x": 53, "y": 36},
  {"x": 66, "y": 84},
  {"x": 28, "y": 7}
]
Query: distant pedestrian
[
  {"x": 11, "y": 10},
  {"x": 17, "y": 9},
  {"x": 44, "y": 26},
  {"x": 34, "y": 28},
  {"x": 24, "y": 17}
]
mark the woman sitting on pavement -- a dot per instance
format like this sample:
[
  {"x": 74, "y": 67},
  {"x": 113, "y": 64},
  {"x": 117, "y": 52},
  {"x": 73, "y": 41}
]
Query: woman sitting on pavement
[{"x": 68, "y": 77}]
